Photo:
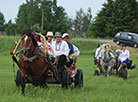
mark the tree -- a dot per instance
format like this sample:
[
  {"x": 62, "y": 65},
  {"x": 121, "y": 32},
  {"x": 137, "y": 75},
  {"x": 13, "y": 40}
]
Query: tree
[
  {"x": 55, "y": 17},
  {"x": 36, "y": 28},
  {"x": 45, "y": 13},
  {"x": 115, "y": 16},
  {"x": 29, "y": 14},
  {"x": 1, "y": 22},
  {"x": 11, "y": 28},
  {"x": 82, "y": 21}
]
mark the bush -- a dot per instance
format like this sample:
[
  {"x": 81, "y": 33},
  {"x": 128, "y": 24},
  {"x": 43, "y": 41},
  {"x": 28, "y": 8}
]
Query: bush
[
  {"x": 7, "y": 43},
  {"x": 86, "y": 46}
]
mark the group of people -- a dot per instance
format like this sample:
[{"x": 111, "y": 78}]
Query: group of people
[
  {"x": 61, "y": 46},
  {"x": 121, "y": 54}
]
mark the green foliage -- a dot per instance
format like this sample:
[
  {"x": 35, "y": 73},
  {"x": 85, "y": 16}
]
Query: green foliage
[
  {"x": 7, "y": 43},
  {"x": 1, "y": 22},
  {"x": 28, "y": 15},
  {"x": 44, "y": 14},
  {"x": 82, "y": 21},
  {"x": 36, "y": 27},
  {"x": 11, "y": 28},
  {"x": 115, "y": 16},
  {"x": 85, "y": 46}
]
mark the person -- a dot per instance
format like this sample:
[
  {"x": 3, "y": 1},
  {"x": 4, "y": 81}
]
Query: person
[
  {"x": 110, "y": 49},
  {"x": 117, "y": 52},
  {"x": 97, "y": 55},
  {"x": 49, "y": 42},
  {"x": 59, "y": 46},
  {"x": 66, "y": 38},
  {"x": 124, "y": 57},
  {"x": 60, "y": 51},
  {"x": 74, "y": 51},
  {"x": 40, "y": 42},
  {"x": 124, "y": 54}
]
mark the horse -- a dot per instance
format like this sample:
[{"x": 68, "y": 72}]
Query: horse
[
  {"x": 107, "y": 60},
  {"x": 33, "y": 62}
]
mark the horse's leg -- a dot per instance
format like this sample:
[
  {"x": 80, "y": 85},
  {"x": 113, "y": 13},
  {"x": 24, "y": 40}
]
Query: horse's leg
[
  {"x": 23, "y": 72},
  {"x": 103, "y": 70},
  {"x": 108, "y": 70}
]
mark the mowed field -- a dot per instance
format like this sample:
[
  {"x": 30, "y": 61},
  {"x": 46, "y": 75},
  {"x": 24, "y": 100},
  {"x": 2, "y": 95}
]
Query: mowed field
[{"x": 96, "y": 88}]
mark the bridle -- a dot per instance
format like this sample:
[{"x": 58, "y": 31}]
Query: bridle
[
  {"x": 25, "y": 51},
  {"x": 104, "y": 57}
]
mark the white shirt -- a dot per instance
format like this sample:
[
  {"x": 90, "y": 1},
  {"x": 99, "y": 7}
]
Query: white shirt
[
  {"x": 124, "y": 55},
  {"x": 60, "y": 48},
  {"x": 50, "y": 52},
  {"x": 118, "y": 50},
  {"x": 76, "y": 51},
  {"x": 98, "y": 53}
]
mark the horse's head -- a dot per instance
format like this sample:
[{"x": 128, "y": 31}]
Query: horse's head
[
  {"x": 105, "y": 55},
  {"x": 28, "y": 41}
]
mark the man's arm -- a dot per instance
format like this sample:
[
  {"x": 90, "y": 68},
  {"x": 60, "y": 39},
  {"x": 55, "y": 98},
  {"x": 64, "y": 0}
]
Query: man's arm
[{"x": 76, "y": 51}]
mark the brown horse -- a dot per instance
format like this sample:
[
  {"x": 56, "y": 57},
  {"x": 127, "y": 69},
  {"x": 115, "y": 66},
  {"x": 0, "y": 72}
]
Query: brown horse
[{"x": 33, "y": 62}]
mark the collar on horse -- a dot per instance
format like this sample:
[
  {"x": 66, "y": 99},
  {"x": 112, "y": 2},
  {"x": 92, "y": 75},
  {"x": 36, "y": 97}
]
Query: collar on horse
[{"x": 31, "y": 59}]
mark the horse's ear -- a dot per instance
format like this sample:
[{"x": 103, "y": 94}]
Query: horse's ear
[{"x": 22, "y": 31}]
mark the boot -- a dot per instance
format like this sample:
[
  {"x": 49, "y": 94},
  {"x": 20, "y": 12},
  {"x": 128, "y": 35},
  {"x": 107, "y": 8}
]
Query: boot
[{"x": 132, "y": 67}]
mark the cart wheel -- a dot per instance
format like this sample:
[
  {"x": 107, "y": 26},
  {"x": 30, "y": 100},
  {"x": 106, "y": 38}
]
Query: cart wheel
[
  {"x": 96, "y": 73},
  {"x": 18, "y": 78},
  {"x": 79, "y": 78},
  {"x": 66, "y": 79}
]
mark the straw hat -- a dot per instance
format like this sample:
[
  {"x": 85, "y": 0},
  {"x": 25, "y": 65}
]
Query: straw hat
[
  {"x": 108, "y": 45},
  {"x": 49, "y": 33},
  {"x": 65, "y": 34}
]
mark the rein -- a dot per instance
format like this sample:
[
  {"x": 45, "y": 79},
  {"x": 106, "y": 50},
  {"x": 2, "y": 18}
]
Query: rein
[
  {"x": 31, "y": 59},
  {"x": 29, "y": 47}
]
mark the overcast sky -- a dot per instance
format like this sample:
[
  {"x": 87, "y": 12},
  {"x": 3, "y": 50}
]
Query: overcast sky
[{"x": 10, "y": 7}]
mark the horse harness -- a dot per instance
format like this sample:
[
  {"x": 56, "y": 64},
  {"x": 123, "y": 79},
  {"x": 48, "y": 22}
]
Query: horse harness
[{"x": 36, "y": 54}]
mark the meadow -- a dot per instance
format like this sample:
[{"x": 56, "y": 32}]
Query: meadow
[{"x": 96, "y": 88}]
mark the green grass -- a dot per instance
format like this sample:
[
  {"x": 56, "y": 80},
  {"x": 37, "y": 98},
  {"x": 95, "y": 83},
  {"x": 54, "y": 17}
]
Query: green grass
[{"x": 96, "y": 89}]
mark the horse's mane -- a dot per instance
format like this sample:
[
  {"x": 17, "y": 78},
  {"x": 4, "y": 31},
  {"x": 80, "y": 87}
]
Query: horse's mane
[{"x": 28, "y": 32}]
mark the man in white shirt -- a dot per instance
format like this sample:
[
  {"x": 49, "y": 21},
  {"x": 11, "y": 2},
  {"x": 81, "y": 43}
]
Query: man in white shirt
[
  {"x": 124, "y": 57},
  {"x": 59, "y": 47},
  {"x": 60, "y": 50},
  {"x": 98, "y": 52},
  {"x": 124, "y": 54}
]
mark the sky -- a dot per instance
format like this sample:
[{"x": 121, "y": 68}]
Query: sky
[{"x": 10, "y": 7}]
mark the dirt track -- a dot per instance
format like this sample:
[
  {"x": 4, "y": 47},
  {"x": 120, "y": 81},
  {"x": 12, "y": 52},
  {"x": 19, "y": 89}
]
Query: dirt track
[{"x": 106, "y": 41}]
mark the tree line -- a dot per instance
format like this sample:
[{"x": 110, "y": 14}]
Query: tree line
[{"x": 46, "y": 15}]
